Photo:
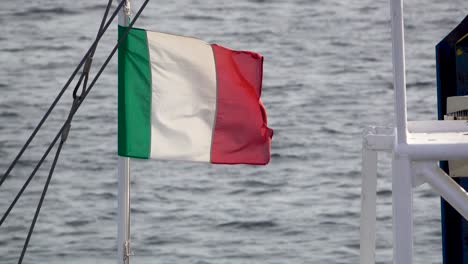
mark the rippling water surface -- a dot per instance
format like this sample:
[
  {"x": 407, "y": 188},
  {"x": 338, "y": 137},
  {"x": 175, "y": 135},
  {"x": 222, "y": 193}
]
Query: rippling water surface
[{"x": 327, "y": 75}]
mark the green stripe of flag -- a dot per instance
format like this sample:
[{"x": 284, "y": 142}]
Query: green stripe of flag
[{"x": 134, "y": 99}]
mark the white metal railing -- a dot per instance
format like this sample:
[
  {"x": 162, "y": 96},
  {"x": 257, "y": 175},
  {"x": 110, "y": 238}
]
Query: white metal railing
[{"x": 416, "y": 148}]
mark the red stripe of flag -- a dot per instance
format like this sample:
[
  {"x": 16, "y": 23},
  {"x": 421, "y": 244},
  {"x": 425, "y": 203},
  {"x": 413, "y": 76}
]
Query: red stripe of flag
[{"x": 241, "y": 134}]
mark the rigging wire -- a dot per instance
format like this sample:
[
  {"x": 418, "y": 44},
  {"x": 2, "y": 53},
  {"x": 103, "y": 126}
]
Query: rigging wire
[
  {"x": 59, "y": 96},
  {"x": 64, "y": 136},
  {"x": 41, "y": 200},
  {"x": 12, "y": 204},
  {"x": 89, "y": 60},
  {"x": 65, "y": 129},
  {"x": 92, "y": 49}
]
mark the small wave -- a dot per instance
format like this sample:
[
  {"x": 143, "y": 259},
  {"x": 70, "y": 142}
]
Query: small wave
[
  {"x": 288, "y": 86},
  {"x": 45, "y": 11},
  {"x": 13, "y": 50},
  {"x": 191, "y": 189},
  {"x": 254, "y": 183},
  {"x": 289, "y": 156},
  {"x": 38, "y": 48},
  {"x": 448, "y": 20},
  {"x": 96, "y": 6},
  {"x": 419, "y": 84},
  {"x": 202, "y": 262},
  {"x": 26, "y": 162},
  {"x": 339, "y": 215},
  {"x": 157, "y": 240},
  {"x": 75, "y": 233},
  {"x": 238, "y": 191},
  {"x": 77, "y": 223},
  {"x": 134, "y": 210},
  {"x": 370, "y": 59},
  {"x": 386, "y": 193},
  {"x": 199, "y": 17},
  {"x": 274, "y": 87},
  {"x": 293, "y": 233},
  {"x": 384, "y": 218},
  {"x": 105, "y": 196},
  {"x": 330, "y": 131},
  {"x": 428, "y": 194},
  {"x": 249, "y": 225},
  {"x": 353, "y": 245},
  {"x": 367, "y": 9},
  {"x": 3, "y": 243},
  {"x": 84, "y": 38},
  {"x": 50, "y": 65},
  {"x": 48, "y": 47},
  {"x": 265, "y": 192},
  {"x": 3, "y": 152},
  {"x": 255, "y": 33},
  {"x": 9, "y": 114},
  {"x": 341, "y": 44}
]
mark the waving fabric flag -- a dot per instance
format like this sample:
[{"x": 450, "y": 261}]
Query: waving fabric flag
[{"x": 183, "y": 99}]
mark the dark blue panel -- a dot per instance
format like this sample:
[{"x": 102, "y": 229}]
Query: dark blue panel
[
  {"x": 461, "y": 54},
  {"x": 452, "y": 62}
]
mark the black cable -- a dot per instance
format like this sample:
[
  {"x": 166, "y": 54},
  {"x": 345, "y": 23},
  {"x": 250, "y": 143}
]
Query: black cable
[
  {"x": 7, "y": 212},
  {"x": 64, "y": 132},
  {"x": 104, "y": 18},
  {"x": 92, "y": 49},
  {"x": 39, "y": 205},
  {"x": 89, "y": 60},
  {"x": 64, "y": 135},
  {"x": 130, "y": 26},
  {"x": 78, "y": 104},
  {"x": 54, "y": 103}
]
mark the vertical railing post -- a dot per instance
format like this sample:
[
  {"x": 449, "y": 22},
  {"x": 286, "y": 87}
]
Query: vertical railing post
[
  {"x": 402, "y": 186},
  {"x": 368, "y": 205},
  {"x": 399, "y": 74},
  {"x": 402, "y": 198}
]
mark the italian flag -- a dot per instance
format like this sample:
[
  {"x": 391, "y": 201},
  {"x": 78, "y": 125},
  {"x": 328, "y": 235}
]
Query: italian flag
[{"x": 183, "y": 99}]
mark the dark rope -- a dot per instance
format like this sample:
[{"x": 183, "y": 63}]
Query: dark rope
[
  {"x": 90, "y": 52},
  {"x": 124, "y": 36},
  {"x": 66, "y": 128},
  {"x": 101, "y": 31},
  {"x": 64, "y": 135},
  {"x": 7, "y": 212},
  {"x": 78, "y": 104},
  {"x": 39, "y": 205},
  {"x": 65, "y": 87},
  {"x": 89, "y": 60}
]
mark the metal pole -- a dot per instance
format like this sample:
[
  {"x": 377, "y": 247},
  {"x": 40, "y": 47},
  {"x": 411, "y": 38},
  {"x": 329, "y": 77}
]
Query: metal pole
[
  {"x": 123, "y": 204},
  {"x": 368, "y": 205},
  {"x": 446, "y": 187},
  {"x": 402, "y": 192},
  {"x": 402, "y": 196},
  {"x": 399, "y": 74},
  {"x": 123, "y": 228}
]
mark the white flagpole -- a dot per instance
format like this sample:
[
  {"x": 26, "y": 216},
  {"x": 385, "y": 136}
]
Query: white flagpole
[
  {"x": 123, "y": 214},
  {"x": 123, "y": 203}
]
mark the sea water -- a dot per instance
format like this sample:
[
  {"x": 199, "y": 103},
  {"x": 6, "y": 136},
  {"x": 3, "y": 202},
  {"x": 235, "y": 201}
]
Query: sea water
[{"x": 327, "y": 75}]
